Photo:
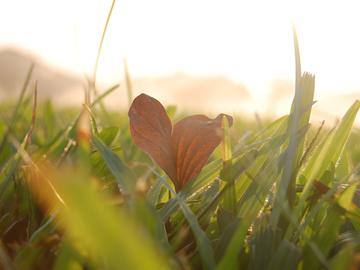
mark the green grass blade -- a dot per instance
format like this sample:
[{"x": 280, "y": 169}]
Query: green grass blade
[
  {"x": 229, "y": 198},
  {"x": 121, "y": 172},
  {"x": 67, "y": 257},
  {"x": 250, "y": 205},
  {"x": 102, "y": 42},
  {"x": 286, "y": 256},
  {"x": 344, "y": 259},
  {"x": 104, "y": 95},
  {"x": 107, "y": 231},
  {"x": 345, "y": 199},
  {"x": 14, "y": 116},
  {"x": 299, "y": 119},
  {"x": 325, "y": 236},
  {"x": 129, "y": 89},
  {"x": 202, "y": 241},
  {"x": 328, "y": 153}
]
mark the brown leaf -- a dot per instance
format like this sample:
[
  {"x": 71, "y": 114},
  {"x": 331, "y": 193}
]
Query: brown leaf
[
  {"x": 151, "y": 130},
  {"x": 181, "y": 152},
  {"x": 194, "y": 139}
]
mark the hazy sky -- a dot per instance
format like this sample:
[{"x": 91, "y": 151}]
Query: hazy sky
[{"x": 248, "y": 41}]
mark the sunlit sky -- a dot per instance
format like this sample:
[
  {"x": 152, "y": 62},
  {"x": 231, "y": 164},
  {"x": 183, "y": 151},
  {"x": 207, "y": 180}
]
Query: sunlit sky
[{"x": 247, "y": 41}]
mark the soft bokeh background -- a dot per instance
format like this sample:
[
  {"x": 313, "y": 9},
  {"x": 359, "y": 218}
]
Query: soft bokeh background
[{"x": 229, "y": 56}]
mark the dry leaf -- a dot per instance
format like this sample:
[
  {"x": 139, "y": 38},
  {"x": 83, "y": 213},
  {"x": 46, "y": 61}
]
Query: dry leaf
[
  {"x": 181, "y": 151},
  {"x": 151, "y": 130},
  {"x": 194, "y": 139}
]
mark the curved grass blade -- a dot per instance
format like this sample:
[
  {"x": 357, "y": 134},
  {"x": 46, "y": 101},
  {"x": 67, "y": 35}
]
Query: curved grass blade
[
  {"x": 202, "y": 241},
  {"x": 108, "y": 231},
  {"x": 121, "y": 172}
]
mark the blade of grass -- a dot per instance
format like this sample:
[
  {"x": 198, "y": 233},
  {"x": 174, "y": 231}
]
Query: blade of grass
[
  {"x": 28, "y": 137},
  {"x": 34, "y": 248},
  {"x": 202, "y": 241},
  {"x": 68, "y": 257},
  {"x": 8, "y": 172},
  {"x": 324, "y": 237},
  {"x": 299, "y": 118},
  {"x": 113, "y": 233},
  {"x": 104, "y": 95},
  {"x": 328, "y": 153},
  {"x": 344, "y": 259},
  {"x": 229, "y": 199},
  {"x": 101, "y": 42},
  {"x": 93, "y": 82},
  {"x": 250, "y": 205},
  {"x": 286, "y": 256},
  {"x": 121, "y": 172},
  {"x": 14, "y": 116},
  {"x": 129, "y": 89}
]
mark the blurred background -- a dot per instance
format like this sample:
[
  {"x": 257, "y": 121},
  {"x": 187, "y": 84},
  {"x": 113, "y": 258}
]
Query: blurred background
[{"x": 204, "y": 56}]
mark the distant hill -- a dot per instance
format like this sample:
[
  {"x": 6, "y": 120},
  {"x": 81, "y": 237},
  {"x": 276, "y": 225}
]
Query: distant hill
[
  {"x": 189, "y": 92},
  {"x": 14, "y": 65},
  {"x": 197, "y": 94}
]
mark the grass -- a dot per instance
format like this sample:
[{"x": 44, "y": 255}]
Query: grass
[{"x": 76, "y": 193}]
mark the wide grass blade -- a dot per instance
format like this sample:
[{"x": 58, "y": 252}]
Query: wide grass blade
[
  {"x": 229, "y": 198},
  {"x": 121, "y": 172},
  {"x": 324, "y": 238},
  {"x": 108, "y": 231}
]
